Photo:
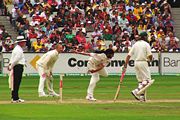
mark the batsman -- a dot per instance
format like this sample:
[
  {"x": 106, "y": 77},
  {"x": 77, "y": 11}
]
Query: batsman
[{"x": 142, "y": 54}]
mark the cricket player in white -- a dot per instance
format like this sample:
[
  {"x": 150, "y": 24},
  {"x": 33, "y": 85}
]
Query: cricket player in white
[
  {"x": 141, "y": 52},
  {"x": 95, "y": 66},
  {"x": 44, "y": 66}
]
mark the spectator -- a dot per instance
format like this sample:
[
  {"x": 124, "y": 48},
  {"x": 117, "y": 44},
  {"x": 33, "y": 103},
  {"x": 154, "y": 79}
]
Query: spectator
[
  {"x": 122, "y": 20},
  {"x": 14, "y": 14},
  {"x": 171, "y": 37},
  {"x": 137, "y": 11},
  {"x": 48, "y": 45},
  {"x": 107, "y": 32},
  {"x": 163, "y": 44},
  {"x": 43, "y": 48},
  {"x": 9, "y": 43},
  {"x": 129, "y": 6},
  {"x": 31, "y": 33},
  {"x": 93, "y": 45},
  {"x": 2, "y": 7},
  {"x": 111, "y": 18},
  {"x": 131, "y": 18},
  {"x": 97, "y": 33},
  {"x": 173, "y": 46},
  {"x": 80, "y": 37},
  {"x": 37, "y": 45},
  {"x": 20, "y": 4}
]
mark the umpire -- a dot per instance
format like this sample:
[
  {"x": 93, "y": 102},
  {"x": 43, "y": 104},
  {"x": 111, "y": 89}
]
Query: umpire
[{"x": 16, "y": 66}]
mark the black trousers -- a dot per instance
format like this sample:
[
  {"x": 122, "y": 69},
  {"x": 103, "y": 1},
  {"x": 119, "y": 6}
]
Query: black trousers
[{"x": 17, "y": 75}]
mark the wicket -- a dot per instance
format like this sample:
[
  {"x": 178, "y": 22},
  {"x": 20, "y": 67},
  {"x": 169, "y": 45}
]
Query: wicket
[{"x": 61, "y": 87}]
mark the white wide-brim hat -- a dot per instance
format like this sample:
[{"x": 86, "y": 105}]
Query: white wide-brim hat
[{"x": 20, "y": 39}]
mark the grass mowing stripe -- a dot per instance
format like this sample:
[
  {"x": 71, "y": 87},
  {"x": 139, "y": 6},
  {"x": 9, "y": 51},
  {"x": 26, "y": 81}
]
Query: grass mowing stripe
[{"x": 93, "y": 111}]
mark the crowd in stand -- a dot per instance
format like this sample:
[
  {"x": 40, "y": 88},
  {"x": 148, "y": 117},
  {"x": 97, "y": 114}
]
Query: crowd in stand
[{"x": 87, "y": 25}]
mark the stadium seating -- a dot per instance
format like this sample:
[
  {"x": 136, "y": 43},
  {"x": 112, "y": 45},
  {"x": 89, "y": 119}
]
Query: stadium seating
[{"x": 63, "y": 22}]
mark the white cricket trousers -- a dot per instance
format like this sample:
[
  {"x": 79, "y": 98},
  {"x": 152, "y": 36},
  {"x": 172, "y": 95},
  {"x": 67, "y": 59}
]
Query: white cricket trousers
[
  {"x": 94, "y": 79},
  {"x": 47, "y": 78},
  {"x": 142, "y": 71}
]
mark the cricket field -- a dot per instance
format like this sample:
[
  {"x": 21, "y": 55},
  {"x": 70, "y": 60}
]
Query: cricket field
[{"x": 163, "y": 100}]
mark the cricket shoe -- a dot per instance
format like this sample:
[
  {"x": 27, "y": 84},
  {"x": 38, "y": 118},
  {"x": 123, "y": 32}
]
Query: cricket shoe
[
  {"x": 42, "y": 94},
  {"x": 90, "y": 98},
  {"x": 17, "y": 101},
  {"x": 53, "y": 94},
  {"x": 136, "y": 96},
  {"x": 142, "y": 98}
]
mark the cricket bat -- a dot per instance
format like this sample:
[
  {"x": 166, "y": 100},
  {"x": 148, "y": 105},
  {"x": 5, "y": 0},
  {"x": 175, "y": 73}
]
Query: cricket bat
[{"x": 119, "y": 86}]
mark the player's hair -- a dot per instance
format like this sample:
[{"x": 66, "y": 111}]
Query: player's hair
[
  {"x": 57, "y": 45},
  {"x": 109, "y": 51},
  {"x": 99, "y": 51}
]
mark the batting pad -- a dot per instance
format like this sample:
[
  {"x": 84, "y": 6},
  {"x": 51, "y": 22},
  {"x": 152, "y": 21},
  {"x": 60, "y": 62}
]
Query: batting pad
[{"x": 144, "y": 88}]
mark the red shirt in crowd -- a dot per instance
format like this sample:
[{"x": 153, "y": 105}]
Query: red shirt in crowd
[
  {"x": 80, "y": 38},
  {"x": 32, "y": 35}
]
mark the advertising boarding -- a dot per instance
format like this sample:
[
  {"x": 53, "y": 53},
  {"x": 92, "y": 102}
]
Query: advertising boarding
[
  {"x": 170, "y": 63},
  {"x": 76, "y": 63}
]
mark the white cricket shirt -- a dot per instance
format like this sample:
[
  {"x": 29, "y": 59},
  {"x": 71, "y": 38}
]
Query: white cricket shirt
[
  {"x": 140, "y": 51},
  {"x": 17, "y": 56},
  {"x": 48, "y": 60},
  {"x": 97, "y": 59}
]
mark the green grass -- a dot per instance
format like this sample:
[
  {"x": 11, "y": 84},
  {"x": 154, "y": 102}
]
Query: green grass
[
  {"x": 165, "y": 87},
  {"x": 139, "y": 111}
]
